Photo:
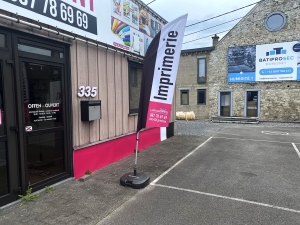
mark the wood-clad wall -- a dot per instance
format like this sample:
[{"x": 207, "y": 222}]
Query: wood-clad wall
[
  {"x": 108, "y": 71},
  {"x": 94, "y": 67}
]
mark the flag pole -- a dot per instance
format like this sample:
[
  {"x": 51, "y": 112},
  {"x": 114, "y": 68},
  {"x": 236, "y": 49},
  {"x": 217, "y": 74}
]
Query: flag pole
[
  {"x": 135, "y": 180},
  {"x": 157, "y": 88},
  {"x": 136, "y": 152}
]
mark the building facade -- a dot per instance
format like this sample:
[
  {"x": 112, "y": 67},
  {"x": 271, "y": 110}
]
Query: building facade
[
  {"x": 191, "y": 85},
  {"x": 254, "y": 69},
  {"x": 69, "y": 102}
]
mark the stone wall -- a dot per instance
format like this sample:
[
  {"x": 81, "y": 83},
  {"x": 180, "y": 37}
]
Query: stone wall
[
  {"x": 280, "y": 101},
  {"x": 187, "y": 80}
]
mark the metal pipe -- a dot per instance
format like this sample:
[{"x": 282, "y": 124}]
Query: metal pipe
[
  {"x": 136, "y": 152},
  {"x": 136, "y": 147}
]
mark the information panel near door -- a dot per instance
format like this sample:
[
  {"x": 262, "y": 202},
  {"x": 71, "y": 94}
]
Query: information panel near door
[
  {"x": 42, "y": 96},
  {"x": 42, "y": 112}
]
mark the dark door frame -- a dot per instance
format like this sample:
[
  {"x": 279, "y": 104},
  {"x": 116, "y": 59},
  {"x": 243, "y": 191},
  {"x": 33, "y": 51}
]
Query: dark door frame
[
  {"x": 46, "y": 130},
  {"x": 42, "y": 42},
  {"x": 9, "y": 121}
]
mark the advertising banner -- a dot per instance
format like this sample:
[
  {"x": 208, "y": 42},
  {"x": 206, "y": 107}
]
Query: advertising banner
[
  {"x": 159, "y": 75},
  {"x": 120, "y": 23},
  {"x": 269, "y": 62}
]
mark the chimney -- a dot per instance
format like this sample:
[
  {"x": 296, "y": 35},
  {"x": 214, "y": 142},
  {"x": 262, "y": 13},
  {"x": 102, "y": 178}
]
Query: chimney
[{"x": 215, "y": 40}]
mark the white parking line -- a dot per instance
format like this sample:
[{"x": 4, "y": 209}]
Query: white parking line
[
  {"x": 296, "y": 149},
  {"x": 166, "y": 172},
  {"x": 229, "y": 198},
  {"x": 245, "y": 139},
  {"x": 274, "y": 132},
  {"x": 230, "y": 134}
]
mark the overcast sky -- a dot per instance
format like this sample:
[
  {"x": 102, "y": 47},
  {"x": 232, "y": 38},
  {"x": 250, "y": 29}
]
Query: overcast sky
[{"x": 199, "y": 10}]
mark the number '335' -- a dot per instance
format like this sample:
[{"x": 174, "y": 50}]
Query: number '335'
[{"x": 87, "y": 91}]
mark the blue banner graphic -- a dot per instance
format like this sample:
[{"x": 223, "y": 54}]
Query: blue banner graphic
[
  {"x": 276, "y": 71},
  {"x": 241, "y": 77}
]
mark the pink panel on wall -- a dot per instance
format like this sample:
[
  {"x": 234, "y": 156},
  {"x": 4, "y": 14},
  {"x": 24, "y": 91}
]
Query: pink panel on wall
[{"x": 98, "y": 156}]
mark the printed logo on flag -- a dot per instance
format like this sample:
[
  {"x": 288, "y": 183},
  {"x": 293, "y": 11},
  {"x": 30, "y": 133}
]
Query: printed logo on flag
[
  {"x": 28, "y": 128},
  {"x": 158, "y": 114},
  {"x": 164, "y": 79},
  {"x": 160, "y": 70}
]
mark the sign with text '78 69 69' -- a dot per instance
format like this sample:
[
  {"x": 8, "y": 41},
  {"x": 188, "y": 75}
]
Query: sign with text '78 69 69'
[
  {"x": 61, "y": 11},
  {"x": 120, "y": 23}
]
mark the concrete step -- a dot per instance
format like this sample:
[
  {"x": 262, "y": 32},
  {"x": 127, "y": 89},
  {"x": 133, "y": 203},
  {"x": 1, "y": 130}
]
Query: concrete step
[{"x": 233, "y": 119}]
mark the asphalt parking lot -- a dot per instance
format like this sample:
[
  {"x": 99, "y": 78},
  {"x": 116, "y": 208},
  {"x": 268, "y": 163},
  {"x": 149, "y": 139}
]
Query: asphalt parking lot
[{"x": 240, "y": 175}]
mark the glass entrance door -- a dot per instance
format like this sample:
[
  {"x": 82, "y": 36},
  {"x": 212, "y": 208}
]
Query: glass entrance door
[
  {"x": 9, "y": 176},
  {"x": 225, "y": 103},
  {"x": 252, "y": 98},
  {"x": 35, "y": 132},
  {"x": 43, "y": 119}
]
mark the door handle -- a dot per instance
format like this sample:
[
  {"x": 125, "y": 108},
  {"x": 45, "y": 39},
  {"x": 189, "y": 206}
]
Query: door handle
[{"x": 15, "y": 128}]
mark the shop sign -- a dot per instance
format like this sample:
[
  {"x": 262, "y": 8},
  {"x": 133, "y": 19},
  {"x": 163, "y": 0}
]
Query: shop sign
[
  {"x": 269, "y": 62},
  {"x": 59, "y": 11},
  {"x": 44, "y": 112},
  {"x": 120, "y": 23}
]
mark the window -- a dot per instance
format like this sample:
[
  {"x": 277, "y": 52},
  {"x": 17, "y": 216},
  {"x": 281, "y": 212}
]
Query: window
[
  {"x": 252, "y": 103},
  {"x": 133, "y": 76},
  {"x": 184, "y": 97},
  {"x": 201, "y": 70},
  {"x": 275, "y": 21},
  {"x": 225, "y": 106},
  {"x": 201, "y": 97},
  {"x": 40, "y": 51},
  {"x": 2, "y": 41},
  {"x": 135, "y": 81}
]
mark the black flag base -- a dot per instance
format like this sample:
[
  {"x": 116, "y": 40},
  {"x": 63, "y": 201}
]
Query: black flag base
[{"x": 135, "y": 180}]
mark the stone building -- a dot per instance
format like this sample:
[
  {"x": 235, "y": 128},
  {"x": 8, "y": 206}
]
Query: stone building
[
  {"x": 191, "y": 84},
  {"x": 254, "y": 70}
]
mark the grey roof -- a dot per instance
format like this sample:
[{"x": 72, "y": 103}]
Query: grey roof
[{"x": 198, "y": 49}]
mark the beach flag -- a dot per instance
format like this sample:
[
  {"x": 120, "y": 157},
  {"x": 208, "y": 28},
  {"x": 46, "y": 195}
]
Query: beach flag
[{"x": 159, "y": 75}]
